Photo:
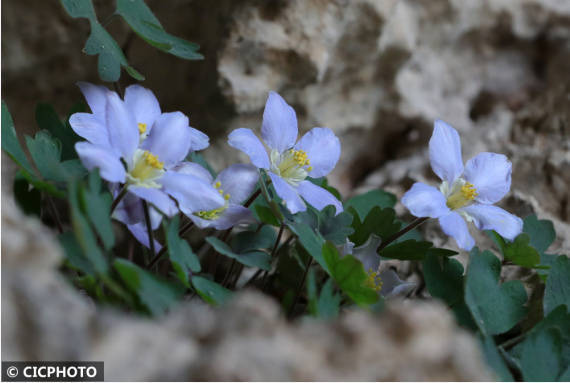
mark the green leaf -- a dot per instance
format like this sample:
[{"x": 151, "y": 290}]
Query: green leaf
[
  {"x": 311, "y": 241},
  {"x": 210, "y": 291},
  {"x": 494, "y": 359},
  {"x": 134, "y": 73},
  {"x": 254, "y": 240},
  {"x": 495, "y": 308},
  {"x": 519, "y": 251},
  {"x": 29, "y": 199},
  {"x": 156, "y": 294},
  {"x": 47, "y": 119},
  {"x": 557, "y": 290},
  {"x": 541, "y": 232},
  {"x": 363, "y": 203},
  {"x": 541, "y": 358},
  {"x": 407, "y": 250},
  {"x": 334, "y": 227},
  {"x": 324, "y": 183},
  {"x": 97, "y": 205},
  {"x": 265, "y": 215},
  {"x": 74, "y": 253},
  {"x": 379, "y": 221},
  {"x": 444, "y": 280},
  {"x": 328, "y": 305},
  {"x": 141, "y": 19},
  {"x": 181, "y": 256},
  {"x": 41, "y": 185},
  {"x": 349, "y": 274},
  {"x": 249, "y": 258},
  {"x": 79, "y": 8},
  {"x": 10, "y": 143},
  {"x": 83, "y": 233},
  {"x": 46, "y": 153}
]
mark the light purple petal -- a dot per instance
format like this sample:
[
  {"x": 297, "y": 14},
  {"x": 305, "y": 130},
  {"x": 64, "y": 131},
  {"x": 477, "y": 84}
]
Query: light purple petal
[
  {"x": 169, "y": 138},
  {"x": 246, "y": 141},
  {"x": 90, "y": 127},
  {"x": 194, "y": 169},
  {"x": 233, "y": 215},
  {"x": 279, "y": 129},
  {"x": 96, "y": 97},
  {"x": 122, "y": 127},
  {"x": 143, "y": 105},
  {"x": 425, "y": 201},
  {"x": 109, "y": 165},
  {"x": 140, "y": 232},
  {"x": 199, "y": 140},
  {"x": 366, "y": 253},
  {"x": 129, "y": 210},
  {"x": 393, "y": 286},
  {"x": 239, "y": 181},
  {"x": 456, "y": 227},
  {"x": 287, "y": 193},
  {"x": 489, "y": 217},
  {"x": 322, "y": 148},
  {"x": 490, "y": 173},
  {"x": 156, "y": 197},
  {"x": 192, "y": 193},
  {"x": 445, "y": 152},
  {"x": 318, "y": 197}
]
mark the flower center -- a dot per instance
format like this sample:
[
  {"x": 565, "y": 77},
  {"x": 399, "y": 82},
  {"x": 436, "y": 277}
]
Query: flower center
[
  {"x": 142, "y": 128},
  {"x": 215, "y": 213},
  {"x": 292, "y": 165},
  {"x": 146, "y": 169},
  {"x": 462, "y": 196},
  {"x": 373, "y": 281}
]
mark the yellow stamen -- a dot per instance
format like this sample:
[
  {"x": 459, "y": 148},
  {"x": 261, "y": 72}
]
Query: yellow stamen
[
  {"x": 373, "y": 281},
  {"x": 227, "y": 197},
  {"x": 211, "y": 214},
  {"x": 462, "y": 197},
  {"x": 152, "y": 160},
  {"x": 217, "y": 185},
  {"x": 220, "y": 191},
  {"x": 142, "y": 127}
]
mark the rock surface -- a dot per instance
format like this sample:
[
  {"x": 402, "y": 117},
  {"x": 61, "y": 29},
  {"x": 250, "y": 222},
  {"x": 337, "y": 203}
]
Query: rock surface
[{"x": 43, "y": 318}]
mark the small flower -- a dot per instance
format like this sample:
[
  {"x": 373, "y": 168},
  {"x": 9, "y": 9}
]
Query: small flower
[
  {"x": 289, "y": 163},
  {"x": 133, "y": 143},
  {"x": 465, "y": 194},
  {"x": 235, "y": 184},
  {"x": 386, "y": 282}
]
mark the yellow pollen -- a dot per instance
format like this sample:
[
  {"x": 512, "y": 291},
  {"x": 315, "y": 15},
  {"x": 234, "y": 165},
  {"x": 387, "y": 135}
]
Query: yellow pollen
[
  {"x": 217, "y": 185},
  {"x": 227, "y": 197},
  {"x": 142, "y": 127},
  {"x": 211, "y": 214},
  {"x": 220, "y": 191},
  {"x": 152, "y": 160},
  {"x": 373, "y": 281},
  {"x": 300, "y": 157},
  {"x": 310, "y": 168},
  {"x": 462, "y": 197}
]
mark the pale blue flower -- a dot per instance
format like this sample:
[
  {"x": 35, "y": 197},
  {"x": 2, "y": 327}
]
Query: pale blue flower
[
  {"x": 133, "y": 143},
  {"x": 387, "y": 282},
  {"x": 235, "y": 184},
  {"x": 290, "y": 162},
  {"x": 466, "y": 194}
]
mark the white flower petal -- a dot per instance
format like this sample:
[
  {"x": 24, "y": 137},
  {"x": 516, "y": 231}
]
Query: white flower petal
[
  {"x": 122, "y": 128},
  {"x": 169, "y": 138},
  {"x": 194, "y": 169},
  {"x": 246, "y": 141},
  {"x": 109, "y": 165},
  {"x": 425, "y": 201},
  {"x": 192, "y": 193},
  {"x": 279, "y": 129},
  {"x": 455, "y": 226},
  {"x": 239, "y": 181},
  {"x": 96, "y": 97},
  {"x": 323, "y": 150},
  {"x": 143, "y": 104},
  {"x": 91, "y": 128},
  {"x": 445, "y": 152},
  {"x": 489, "y": 217},
  {"x": 318, "y": 197},
  {"x": 287, "y": 193},
  {"x": 490, "y": 173},
  {"x": 156, "y": 197}
]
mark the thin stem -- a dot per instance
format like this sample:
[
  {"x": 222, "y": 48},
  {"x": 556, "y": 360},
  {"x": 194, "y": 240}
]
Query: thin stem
[
  {"x": 252, "y": 198},
  {"x": 253, "y": 278},
  {"x": 55, "y": 214},
  {"x": 279, "y": 235},
  {"x": 183, "y": 230},
  {"x": 115, "y": 203},
  {"x": 148, "y": 227},
  {"x": 415, "y": 223},
  {"x": 228, "y": 273},
  {"x": 513, "y": 341},
  {"x": 300, "y": 288}
]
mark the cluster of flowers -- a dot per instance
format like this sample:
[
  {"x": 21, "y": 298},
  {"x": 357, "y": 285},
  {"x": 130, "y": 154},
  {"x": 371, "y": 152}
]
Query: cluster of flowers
[{"x": 142, "y": 153}]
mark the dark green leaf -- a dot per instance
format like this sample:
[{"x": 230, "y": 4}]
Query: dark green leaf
[
  {"x": 334, "y": 227},
  {"x": 265, "y": 215},
  {"x": 181, "y": 255},
  {"x": 10, "y": 143},
  {"x": 254, "y": 240},
  {"x": 541, "y": 232},
  {"x": 494, "y": 359},
  {"x": 210, "y": 291},
  {"x": 380, "y": 221},
  {"x": 156, "y": 294},
  {"x": 46, "y": 153},
  {"x": 349, "y": 274},
  {"x": 134, "y": 73},
  {"x": 74, "y": 253},
  {"x": 111, "y": 57},
  {"x": 328, "y": 304},
  {"x": 557, "y": 290},
  {"x": 97, "y": 205},
  {"x": 521, "y": 253},
  {"x": 28, "y": 198},
  {"x": 79, "y": 8},
  {"x": 495, "y": 308},
  {"x": 249, "y": 258},
  {"x": 541, "y": 358},
  {"x": 47, "y": 119},
  {"x": 141, "y": 19},
  {"x": 311, "y": 241},
  {"x": 363, "y": 203},
  {"x": 407, "y": 250}
]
